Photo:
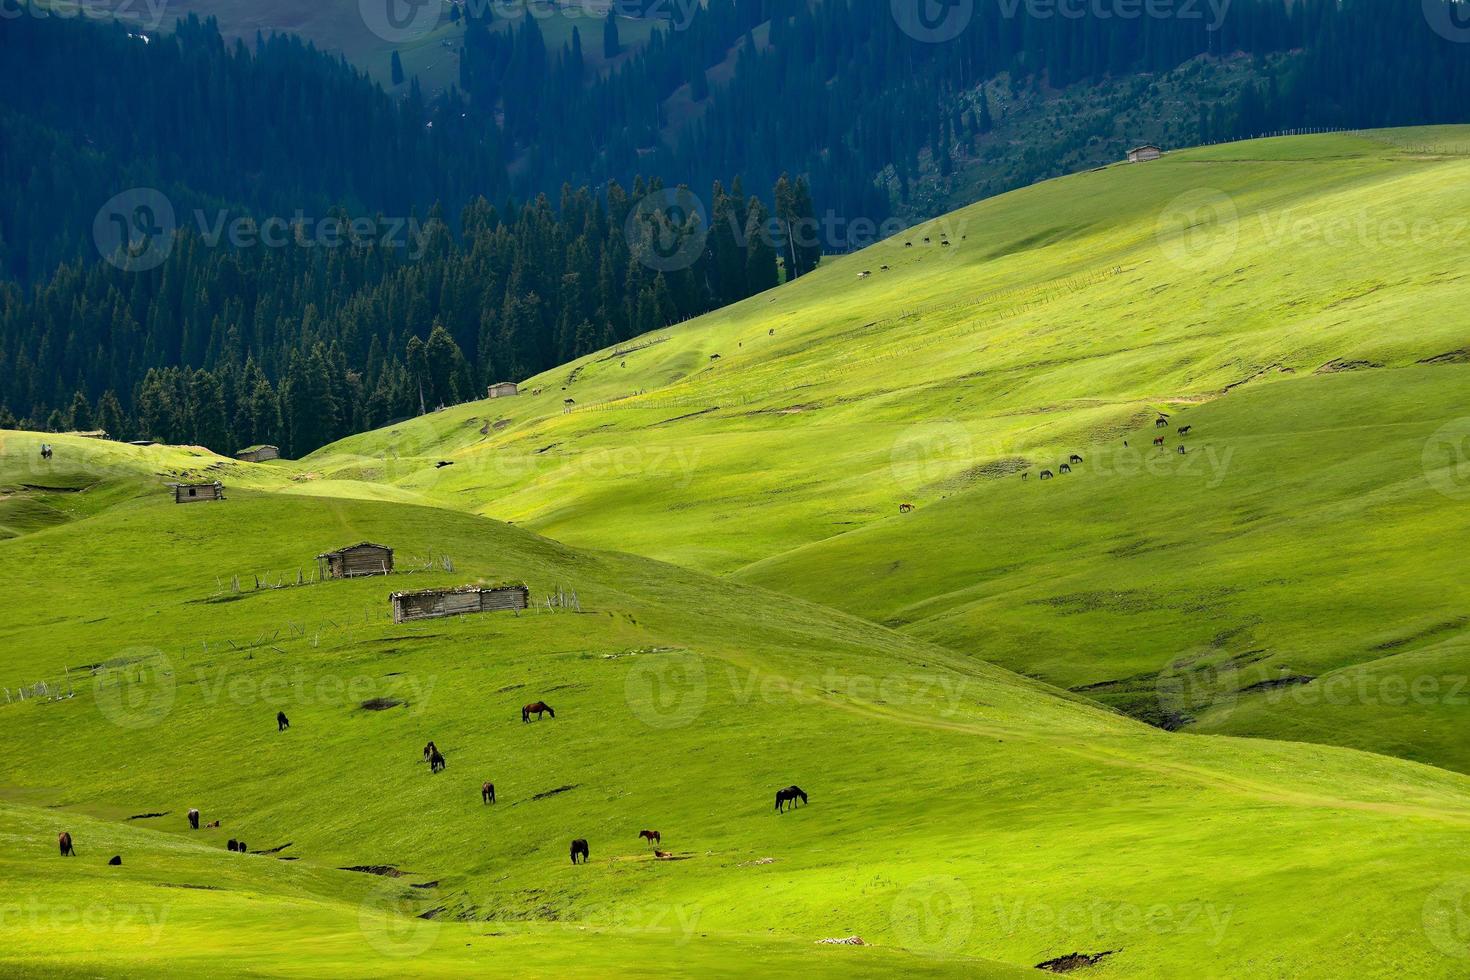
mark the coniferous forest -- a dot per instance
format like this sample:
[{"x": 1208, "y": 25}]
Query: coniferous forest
[{"x": 514, "y": 195}]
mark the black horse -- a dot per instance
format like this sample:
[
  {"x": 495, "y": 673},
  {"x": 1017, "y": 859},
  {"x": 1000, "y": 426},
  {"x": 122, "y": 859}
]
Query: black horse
[
  {"x": 789, "y": 795},
  {"x": 1064, "y": 468},
  {"x": 429, "y": 751},
  {"x": 487, "y": 793},
  {"x": 63, "y": 840},
  {"x": 1045, "y": 475},
  {"x": 1075, "y": 458},
  {"x": 115, "y": 861},
  {"x": 436, "y": 762},
  {"x": 193, "y": 819},
  {"x": 282, "y": 722},
  {"x": 579, "y": 846}
]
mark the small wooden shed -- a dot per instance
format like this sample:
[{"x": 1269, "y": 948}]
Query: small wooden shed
[
  {"x": 433, "y": 603},
  {"x": 1147, "y": 151},
  {"x": 503, "y": 389},
  {"x": 258, "y": 454},
  {"x": 364, "y": 558},
  {"x": 189, "y": 493}
]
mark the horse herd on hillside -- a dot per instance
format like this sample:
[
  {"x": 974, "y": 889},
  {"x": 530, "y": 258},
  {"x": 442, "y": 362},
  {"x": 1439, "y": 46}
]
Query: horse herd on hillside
[
  {"x": 1074, "y": 459},
  {"x": 437, "y": 764}
]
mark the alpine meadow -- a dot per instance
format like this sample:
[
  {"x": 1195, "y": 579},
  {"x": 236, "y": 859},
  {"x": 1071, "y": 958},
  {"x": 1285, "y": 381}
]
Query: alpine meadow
[{"x": 734, "y": 488}]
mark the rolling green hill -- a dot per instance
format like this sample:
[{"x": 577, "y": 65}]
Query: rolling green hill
[
  {"x": 962, "y": 818},
  {"x": 1294, "y": 299},
  {"x": 747, "y": 609}
]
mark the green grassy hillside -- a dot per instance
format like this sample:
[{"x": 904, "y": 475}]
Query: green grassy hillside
[
  {"x": 1295, "y": 299},
  {"x": 962, "y": 819}
]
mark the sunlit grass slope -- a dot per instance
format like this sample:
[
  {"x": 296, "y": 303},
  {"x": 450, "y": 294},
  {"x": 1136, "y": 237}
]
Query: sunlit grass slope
[
  {"x": 1301, "y": 297},
  {"x": 962, "y": 819}
]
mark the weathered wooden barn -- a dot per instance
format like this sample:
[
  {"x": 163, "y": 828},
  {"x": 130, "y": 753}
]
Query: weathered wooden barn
[
  {"x": 189, "y": 493},
  {"x": 258, "y": 454},
  {"x": 1147, "y": 151},
  {"x": 364, "y": 558},
  {"x": 433, "y": 603},
  {"x": 503, "y": 389}
]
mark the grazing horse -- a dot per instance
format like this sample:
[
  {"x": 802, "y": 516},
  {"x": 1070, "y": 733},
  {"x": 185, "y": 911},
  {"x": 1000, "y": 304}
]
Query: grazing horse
[
  {"x": 115, "y": 861},
  {"x": 240, "y": 846},
  {"x": 282, "y": 722},
  {"x": 1158, "y": 440},
  {"x": 905, "y": 508},
  {"x": 1075, "y": 458},
  {"x": 1184, "y": 429},
  {"x": 63, "y": 839},
  {"x": 212, "y": 826},
  {"x": 579, "y": 846},
  {"x": 1181, "y": 449},
  {"x": 436, "y": 762},
  {"x": 429, "y": 750},
  {"x": 487, "y": 793},
  {"x": 1025, "y": 476},
  {"x": 1161, "y": 422},
  {"x": 233, "y": 845},
  {"x": 1064, "y": 468},
  {"x": 193, "y": 819},
  {"x": 789, "y": 795},
  {"x": 652, "y": 836},
  {"x": 1045, "y": 475},
  {"x": 538, "y": 707},
  {"x": 908, "y": 244}
]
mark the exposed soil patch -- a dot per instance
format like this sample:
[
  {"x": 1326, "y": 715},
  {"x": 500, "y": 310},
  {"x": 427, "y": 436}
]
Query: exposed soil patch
[
  {"x": 1460, "y": 356},
  {"x": 385, "y": 870},
  {"x": 200, "y": 888},
  {"x": 554, "y": 792},
  {"x": 149, "y": 816},
  {"x": 44, "y": 489},
  {"x": 1336, "y": 365},
  {"x": 1073, "y": 961},
  {"x": 276, "y": 850},
  {"x": 690, "y": 415},
  {"x": 381, "y": 704},
  {"x": 1458, "y": 623},
  {"x": 424, "y": 884},
  {"x": 1271, "y": 683}
]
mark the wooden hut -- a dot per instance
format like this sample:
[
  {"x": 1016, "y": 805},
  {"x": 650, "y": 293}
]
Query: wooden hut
[
  {"x": 365, "y": 558},
  {"x": 258, "y": 454},
  {"x": 433, "y": 603},
  {"x": 503, "y": 389},
  {"x": 1141, "y": 154},
  {"x": 189, "y": 493}
]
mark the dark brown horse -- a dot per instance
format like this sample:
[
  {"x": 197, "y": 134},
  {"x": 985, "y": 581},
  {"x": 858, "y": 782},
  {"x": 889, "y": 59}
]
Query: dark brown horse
[
  {"x": 1161, "y": 421},
  {"x": 1158, "y": 440},
  {"x": 1045, "y": 475},
  {"x": 63, "y": 840},
  {"x": 652, "y": 836},
  {"x": 233, "y": 845},
  {"x": 487, "y": 793},
  {"x": 429, "y": 750},
  {"x": 282, "y": 722},
  {"x": 905, "y": 508},
  {"x": 193, "y": 819},
  {"x": 538, "y": 707},
  {"x": 1184, "y": 429},
  {"x": 436, "y": 762},
  {"x": 789, "y": 795},
  {"x": 579, "y": 846}
]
